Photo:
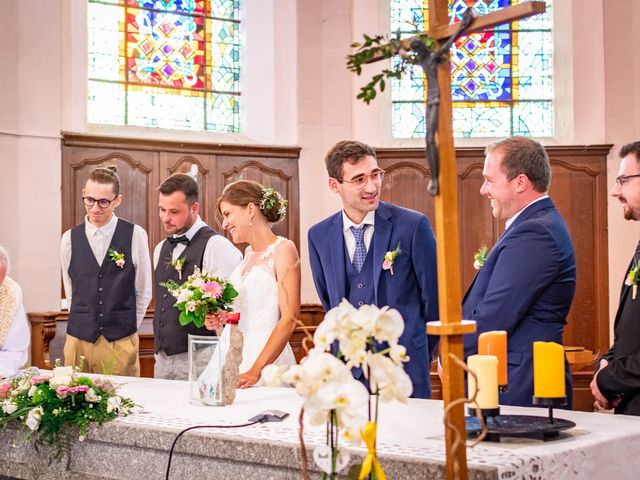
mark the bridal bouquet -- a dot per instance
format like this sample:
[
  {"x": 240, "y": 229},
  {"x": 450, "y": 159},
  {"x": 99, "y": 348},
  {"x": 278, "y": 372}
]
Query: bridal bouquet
[
  {"x": 367, "y": 338},
  {"x": 200, "y": 294},
  {"x": 53, "y": 406}
]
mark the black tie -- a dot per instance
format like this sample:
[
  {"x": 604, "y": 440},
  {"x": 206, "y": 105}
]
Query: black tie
[{"x": 175, "y": 240}]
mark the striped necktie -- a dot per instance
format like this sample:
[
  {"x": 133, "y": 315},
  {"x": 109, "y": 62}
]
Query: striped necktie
[{"x": 361, "y": 250}]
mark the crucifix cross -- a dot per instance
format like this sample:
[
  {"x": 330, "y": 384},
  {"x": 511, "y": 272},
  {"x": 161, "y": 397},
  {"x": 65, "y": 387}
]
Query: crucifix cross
[{"x": 451, "y": 327}]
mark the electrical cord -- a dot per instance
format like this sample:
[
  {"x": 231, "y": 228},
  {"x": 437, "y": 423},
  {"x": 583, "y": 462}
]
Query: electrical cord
[{"x": 262, "y": 419}]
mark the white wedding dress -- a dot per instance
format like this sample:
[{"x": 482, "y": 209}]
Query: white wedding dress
[{"x": 257, "y": 302}]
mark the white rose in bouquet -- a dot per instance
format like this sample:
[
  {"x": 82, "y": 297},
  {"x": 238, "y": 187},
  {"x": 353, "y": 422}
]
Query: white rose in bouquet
[
  {"x": 62, "y": 376},
  {"x": 33, "y": 418}
]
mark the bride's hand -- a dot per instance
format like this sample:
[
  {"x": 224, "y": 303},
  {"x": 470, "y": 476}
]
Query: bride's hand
[
  {"x": 248, "y": 379},
  {"x": 214, "y": 321}
]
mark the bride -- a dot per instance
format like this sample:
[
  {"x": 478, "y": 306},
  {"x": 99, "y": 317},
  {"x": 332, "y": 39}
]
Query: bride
[{"x": 267, "y": 280}]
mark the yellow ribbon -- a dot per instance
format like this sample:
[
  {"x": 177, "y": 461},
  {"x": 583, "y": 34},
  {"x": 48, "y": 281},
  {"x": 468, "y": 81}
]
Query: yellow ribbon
[{"x": 369, "y": 437}]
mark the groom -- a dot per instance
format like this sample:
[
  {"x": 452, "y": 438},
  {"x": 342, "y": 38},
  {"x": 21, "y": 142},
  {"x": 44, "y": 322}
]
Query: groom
[{"x": 347, "y": 253}]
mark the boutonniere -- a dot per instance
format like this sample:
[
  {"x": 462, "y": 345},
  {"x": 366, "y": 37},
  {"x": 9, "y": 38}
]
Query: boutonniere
[
  {"x": 479, "y": 257},
  {"x": 390, "y": 258},
  {"x": 633, "y": 278},
  {"x": 116, "y": 257},
  {"x": 178, "y": 264}
]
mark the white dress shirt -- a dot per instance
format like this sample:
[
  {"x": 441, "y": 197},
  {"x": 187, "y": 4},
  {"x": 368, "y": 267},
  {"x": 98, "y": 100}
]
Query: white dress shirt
[
  {"x": 513, "y": 219},
  {"x": 350, "y": 239},
  {"x": 14, "y": 351},
  {"x": 99, "y": 240},
  {"x": 220, "y": 257}
]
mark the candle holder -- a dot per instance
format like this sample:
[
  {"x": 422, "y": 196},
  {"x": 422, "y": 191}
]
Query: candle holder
[
  {"x": 550, "y": 402},
  {"x": 485, "y": 412}
]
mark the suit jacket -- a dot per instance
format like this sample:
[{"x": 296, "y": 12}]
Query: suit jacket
[
  {"x": 621, "y": 377},
  {"x": 525, "y": 287},
  {"x": 412, "y": 289}
]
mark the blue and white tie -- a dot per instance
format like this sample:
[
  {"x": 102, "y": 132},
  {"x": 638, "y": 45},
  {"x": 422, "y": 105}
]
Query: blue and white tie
[{"x": 361, "y": 250}]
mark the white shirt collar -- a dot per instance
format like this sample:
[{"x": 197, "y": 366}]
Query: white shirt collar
[
  {"x": 369, "y": 219},
  {"x": 106, "y": 229},
  {"x": 512, "y": 219},
  {"x": 198, "y": 224}
]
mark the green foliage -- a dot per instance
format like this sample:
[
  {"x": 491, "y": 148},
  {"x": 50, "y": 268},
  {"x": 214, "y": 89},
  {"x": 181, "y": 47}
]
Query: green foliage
[
  {"x": 200, "y": 294},
  {"x": 55, "y": 412},
  {"x": 377, "y": 48}
]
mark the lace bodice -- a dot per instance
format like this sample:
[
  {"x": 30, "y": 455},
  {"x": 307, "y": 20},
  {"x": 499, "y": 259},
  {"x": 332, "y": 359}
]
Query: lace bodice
[{"x": 257, "y": 301}]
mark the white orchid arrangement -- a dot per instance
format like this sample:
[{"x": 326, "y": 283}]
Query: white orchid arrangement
[{"x": 367, "y": 338}]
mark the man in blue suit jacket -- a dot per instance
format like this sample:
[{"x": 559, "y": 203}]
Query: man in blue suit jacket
[
  {"x": 347, "y": 253},
  {"x": 527, "y": 282}
]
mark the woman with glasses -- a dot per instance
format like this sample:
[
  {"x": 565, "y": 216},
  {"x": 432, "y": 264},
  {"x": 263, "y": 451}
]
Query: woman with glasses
[{"x": 106, "y": 271}]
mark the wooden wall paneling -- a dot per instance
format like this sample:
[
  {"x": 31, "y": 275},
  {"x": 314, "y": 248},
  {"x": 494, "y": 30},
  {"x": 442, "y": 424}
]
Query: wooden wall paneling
[
  {"x": 579, "y": 189},
  {"x": 404, "y": 184}
]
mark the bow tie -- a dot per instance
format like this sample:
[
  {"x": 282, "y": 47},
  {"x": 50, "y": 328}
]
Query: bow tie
[{"x": 180, "y": 239}]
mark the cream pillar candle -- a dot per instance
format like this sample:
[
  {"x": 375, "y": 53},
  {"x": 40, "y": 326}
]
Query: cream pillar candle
[{"x": 486, "y": 369}]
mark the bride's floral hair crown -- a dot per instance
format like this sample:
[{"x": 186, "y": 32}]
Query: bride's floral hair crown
[
  {"x": 271, "y": 199},
  {"x": 267, "y": 199}
]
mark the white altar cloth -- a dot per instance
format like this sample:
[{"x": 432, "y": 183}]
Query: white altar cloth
[{"x": 601, "y": 445}]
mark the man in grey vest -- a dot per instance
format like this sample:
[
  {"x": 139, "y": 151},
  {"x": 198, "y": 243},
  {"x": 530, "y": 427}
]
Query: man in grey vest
[
  {"x": 192, "y": 243},
  {"x": 107, "y": 280}
]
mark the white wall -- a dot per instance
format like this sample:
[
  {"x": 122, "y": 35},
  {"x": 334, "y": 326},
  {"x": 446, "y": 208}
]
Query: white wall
[
  {"x": 30, "y": 147},
  {"x": 296, "y": 91}
]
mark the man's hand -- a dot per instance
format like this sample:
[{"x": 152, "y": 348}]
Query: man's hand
[{"x": 601, "y": 401}]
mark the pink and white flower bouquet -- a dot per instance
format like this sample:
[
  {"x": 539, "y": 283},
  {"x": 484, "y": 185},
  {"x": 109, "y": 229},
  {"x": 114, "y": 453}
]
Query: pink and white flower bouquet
[
  {"x": 200, "y": 294},
  {"x": 58, "y": 405}
]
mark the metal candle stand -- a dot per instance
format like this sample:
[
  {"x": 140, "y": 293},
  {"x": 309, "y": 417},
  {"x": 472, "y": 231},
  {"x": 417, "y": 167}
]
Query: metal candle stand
[
  {"x": 527, "y": 426},
  {"x": 550, "y": 403}
]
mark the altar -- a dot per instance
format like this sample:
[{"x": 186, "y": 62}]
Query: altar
[{"x": 410, "y": 443}]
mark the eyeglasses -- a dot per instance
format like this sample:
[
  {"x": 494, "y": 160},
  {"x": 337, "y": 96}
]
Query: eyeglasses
[
  {"x": 102, "y": 202},
  {"x": 623, "y": 178},
  {"x": 361, "y": 181}
]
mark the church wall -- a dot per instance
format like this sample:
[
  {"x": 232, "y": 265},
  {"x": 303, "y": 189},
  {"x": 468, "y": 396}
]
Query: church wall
[
  {"x": 30, "y": 147},
  {"x": 622, "y": 71},
  {"x": 296, "y": 91}
]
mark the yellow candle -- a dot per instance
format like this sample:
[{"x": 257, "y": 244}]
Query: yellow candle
[
  {"x": 548, "y": 370},
  {"x": 486, "y": 369},
  {"x": 495, "y": 343}
]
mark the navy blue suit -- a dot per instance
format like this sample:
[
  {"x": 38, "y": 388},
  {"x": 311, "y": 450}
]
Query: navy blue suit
[
  {"x": 525, "y": 287},
  {"x": 412, "y": 289}
]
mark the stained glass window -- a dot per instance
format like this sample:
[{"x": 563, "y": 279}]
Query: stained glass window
[
  {"x": 501, "y": 79},
  {"x": 165, "y": 63}
]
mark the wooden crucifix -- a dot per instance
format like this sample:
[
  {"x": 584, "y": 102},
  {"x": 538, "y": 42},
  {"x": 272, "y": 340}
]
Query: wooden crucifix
[{"x": 451, "y": 327}]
